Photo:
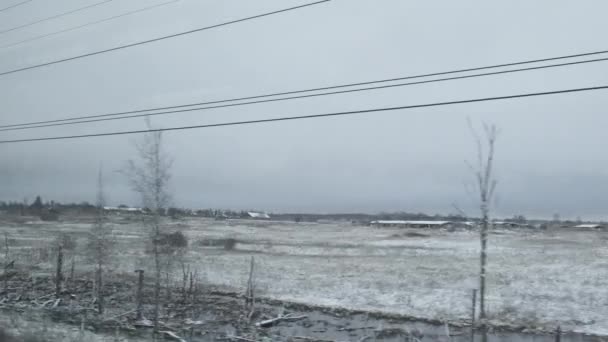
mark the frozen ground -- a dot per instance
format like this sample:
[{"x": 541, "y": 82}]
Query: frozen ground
[
  {"x": 535, "y": 279},
  {"x": 30, "y": 326}
]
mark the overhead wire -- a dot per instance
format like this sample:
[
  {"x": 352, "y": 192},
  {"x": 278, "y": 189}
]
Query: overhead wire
[
  {"x": 311, "y": 116},
  {"x": 148, "y": 41},
  {"x": 28, "y": 40},
  {"x": 162, "y": 110},
  {"x": 55, "y": 16},
  {"x": 15, "y": 5}
]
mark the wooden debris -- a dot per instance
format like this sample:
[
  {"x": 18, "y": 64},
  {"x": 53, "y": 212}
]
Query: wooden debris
[
  {"x": 120, "y": 315},
  {"x": 46, "y": 295},
  {"x": 241, "y": 338},
  {"x": 250, "y": 292},
  {"x": 355, "y": 328},
  {"x": 171, "y": 336},
  {"x": 57, "y": 301},
  {"x": 188, "y": 321},
  {"x": 312, "y": 339},
  {"x": 46, "y": 303},
  {"x": 273, "y": 321},
  {"x": 145, "y": 323},
  {"x": 165, "y": 326}
]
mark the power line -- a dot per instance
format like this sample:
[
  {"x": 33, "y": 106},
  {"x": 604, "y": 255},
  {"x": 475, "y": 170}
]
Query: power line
[
  {"x": 55, "y": 16},
  {"x": 312, "y": 116},
  {"x": 15, "y": 5},
  {"x": 317, "y": 89},
  {"x": 111, "y": 117},
  {"x": 159, "y": 38},
  {"x": 87, "y": 24}
]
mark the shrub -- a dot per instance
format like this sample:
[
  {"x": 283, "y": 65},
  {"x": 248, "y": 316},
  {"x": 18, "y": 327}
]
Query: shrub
[
  {"x": 175, "y": 213},
  {"x": 175, "y": 240},
  {"x": 49, "y": 215},
  {"x": 229, "y": 244}
]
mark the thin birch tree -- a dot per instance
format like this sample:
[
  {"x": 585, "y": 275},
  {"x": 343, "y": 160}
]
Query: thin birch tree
[
  {"x": 485, "y": 185},
  {"x": 149, "y": 177}
]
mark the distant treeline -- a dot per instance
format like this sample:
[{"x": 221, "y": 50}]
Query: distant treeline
[
  {"x": 358, "y": 217},
  {"x": 48, "y": 210},
  {"x": 38, "y": 207},
  {"x": 51, "y": 209}
]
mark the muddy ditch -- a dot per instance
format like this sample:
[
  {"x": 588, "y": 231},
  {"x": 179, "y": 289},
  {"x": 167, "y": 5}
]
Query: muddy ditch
[{"x": 215, "y": 314}]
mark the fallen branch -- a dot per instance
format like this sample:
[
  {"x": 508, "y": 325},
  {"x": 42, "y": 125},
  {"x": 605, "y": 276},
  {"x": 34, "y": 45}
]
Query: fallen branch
[
  {"x": 294, "y": 318},
  {"x": 47, "y": 302},
  {"x": 117, "y": 316},
  {"x": 355, "y": 328},
  {"x": 165, "y": 326},
  {"x": 172, "y": 336},
  {"x": 46, "y": 295},
  {"x": 188, "y": 321},
  {"x": 315, "y": 339},
  {"x": 146, "y": 323},
  {"x": 273, "y": 321},
  {"x": 241, "y": 338}
]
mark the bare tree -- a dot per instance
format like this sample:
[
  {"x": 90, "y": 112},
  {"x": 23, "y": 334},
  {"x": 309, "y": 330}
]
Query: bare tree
[
  {"x": 485, "y": 184},
  {"x": 24, "y": 205},
  {"x": 64, "y": 244},
  {"x": 250, "y": 291},
  {"x": 100, "y": 242},
  {"x": 59, "y": 271},
  {"x": 149, "y": 176},
  {"x": 7, "y": 263}
]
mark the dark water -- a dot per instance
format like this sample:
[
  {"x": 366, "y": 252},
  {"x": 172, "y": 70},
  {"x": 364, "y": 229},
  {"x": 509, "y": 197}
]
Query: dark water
[
  {"x": 326, "y": 327},
  {"x": 359, "y": 327}
]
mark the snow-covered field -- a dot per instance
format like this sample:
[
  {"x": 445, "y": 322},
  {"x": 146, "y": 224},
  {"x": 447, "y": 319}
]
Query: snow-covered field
[{"x": 535, "y": 278}]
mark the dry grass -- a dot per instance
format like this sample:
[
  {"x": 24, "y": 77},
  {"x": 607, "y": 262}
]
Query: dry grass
[
  {"x": 31, "y": 327},
  {"x": 541, "y": 278}
]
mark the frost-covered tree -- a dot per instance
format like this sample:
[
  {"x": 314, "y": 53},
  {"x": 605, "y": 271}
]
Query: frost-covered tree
[
  {"x": 485, "y": 185},
  {"x": 149, "y": 177}
]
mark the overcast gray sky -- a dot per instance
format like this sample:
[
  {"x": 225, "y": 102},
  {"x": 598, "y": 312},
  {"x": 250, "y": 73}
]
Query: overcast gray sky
[{"x": 550, "y": 153}]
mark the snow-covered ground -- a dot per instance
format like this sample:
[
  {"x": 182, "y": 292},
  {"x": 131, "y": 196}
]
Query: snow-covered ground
[{"x": 535, "y": 278}]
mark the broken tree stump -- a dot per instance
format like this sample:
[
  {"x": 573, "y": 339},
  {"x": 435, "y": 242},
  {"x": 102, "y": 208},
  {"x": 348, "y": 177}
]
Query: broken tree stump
[{"x": 140, "y": 295}]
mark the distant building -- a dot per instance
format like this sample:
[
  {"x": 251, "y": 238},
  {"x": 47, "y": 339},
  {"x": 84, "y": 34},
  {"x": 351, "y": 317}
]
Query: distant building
[
  {"x": 411, "y": 224},
  {"x": 123, "y": 210},
  {"x": 589, "y": 226},
  {"x": 507, "y": 224},
  {"x": 258, "y": 215}
]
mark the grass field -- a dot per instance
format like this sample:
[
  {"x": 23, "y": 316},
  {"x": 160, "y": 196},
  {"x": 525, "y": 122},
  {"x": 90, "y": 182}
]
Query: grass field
[{"x": 535, "y": 278}]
